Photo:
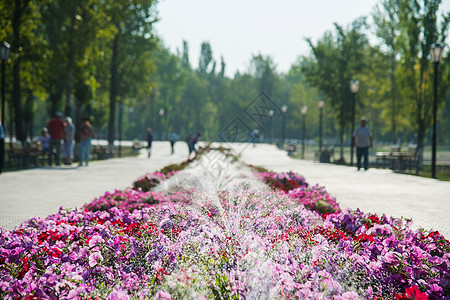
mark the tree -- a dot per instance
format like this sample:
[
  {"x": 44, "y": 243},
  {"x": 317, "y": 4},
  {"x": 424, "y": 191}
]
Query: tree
[
  {"x": 130, "y": 21},
  {"x": 264, "y": 70},
  {"x": 387, "y": 23},
  {"x": 206, "y": 64},
  {"x": 339, "y": 59},
  {"x": 19, "y": 13},
  {"x": 418, "y": 31}
]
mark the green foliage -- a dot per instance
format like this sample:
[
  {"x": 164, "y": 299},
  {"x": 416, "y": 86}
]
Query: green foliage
[{"x": 85, "y": 57}]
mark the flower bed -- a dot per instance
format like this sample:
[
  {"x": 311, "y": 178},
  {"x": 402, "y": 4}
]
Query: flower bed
[
  {"x": 247, "y": 241},
  {"x": 149, "y": 181},
  {"x": 314, "y": 198},
  {"x": 131, "y": 199}
]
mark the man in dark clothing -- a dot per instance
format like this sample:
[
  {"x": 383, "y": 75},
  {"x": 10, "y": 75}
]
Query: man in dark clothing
[
  {"x": 192, "y": 143},
  {"x": 56, "y": 130}
]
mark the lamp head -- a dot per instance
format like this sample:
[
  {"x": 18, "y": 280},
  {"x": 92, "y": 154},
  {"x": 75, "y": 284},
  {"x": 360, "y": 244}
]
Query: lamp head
[
  {"x": 321, "y": 103},
  {"x": 437, "y": 51},
  {"x": 304, "y": 109},
  {"x": 354, "y": 86},
  {"x": 4, "y": 50}
]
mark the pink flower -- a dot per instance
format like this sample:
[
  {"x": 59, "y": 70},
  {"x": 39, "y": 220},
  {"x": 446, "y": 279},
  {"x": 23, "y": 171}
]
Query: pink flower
[
  {"x": 118, "y": 295},
  {"x": 95, "y": 258},
  {"x": 160, "y": 295},
  {"x": 96, "y": 239}
]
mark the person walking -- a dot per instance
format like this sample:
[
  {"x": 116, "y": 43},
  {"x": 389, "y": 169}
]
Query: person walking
[
  {"x": 191, "y": 143},
  {"x": 149, "y": 142},
  {"x": 56, "y": 130},
  {"x": 69, "y": 136},
  {"x": 86, "y": 135},
  {"x": 255, "y": 137},
  {"x": 362, "y": 140},
  {"x": 173, "y": 138}
]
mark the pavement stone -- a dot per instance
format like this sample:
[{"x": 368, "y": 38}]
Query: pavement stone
[{"x": 42, "y": 191}]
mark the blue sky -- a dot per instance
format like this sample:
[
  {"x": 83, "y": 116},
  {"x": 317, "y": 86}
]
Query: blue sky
[{"x": 238, "y": 29}]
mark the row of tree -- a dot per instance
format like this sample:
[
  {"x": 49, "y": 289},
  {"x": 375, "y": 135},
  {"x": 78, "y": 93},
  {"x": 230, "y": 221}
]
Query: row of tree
[{"x": 101, "y": 59}]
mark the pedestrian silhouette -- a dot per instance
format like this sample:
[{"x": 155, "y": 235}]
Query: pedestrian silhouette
[
  {"x": 362, "y": 140},
  {"x": 56, "y": 130},
  {"x": 86, "y": 135}
]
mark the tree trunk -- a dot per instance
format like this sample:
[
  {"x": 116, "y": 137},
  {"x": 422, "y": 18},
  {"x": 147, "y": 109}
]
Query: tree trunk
[
  {"x": 71, "y": 60},
  {"x": 77, "y": 119},
  {"x": 28, "y": 115},
  {"x": 19, "y": 8},
  {"x": 113, "y": 92},
  {"x": 393, "y": 91},
  {"x": 120, "y": 127},
  {"x": 341, "y": 139},
  {"x": 16, "y": 97}
]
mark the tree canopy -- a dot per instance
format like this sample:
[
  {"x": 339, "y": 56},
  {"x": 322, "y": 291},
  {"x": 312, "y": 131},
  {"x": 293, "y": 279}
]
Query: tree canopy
[{"x": 103, "y": 60}]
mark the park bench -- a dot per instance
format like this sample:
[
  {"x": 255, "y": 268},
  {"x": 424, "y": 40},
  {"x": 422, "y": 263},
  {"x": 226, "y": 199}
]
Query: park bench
[
  {"x": 404, "y": 160},
  {"x": 102, "y": 152},
  {"x": 22, "y": 156},
  {"x": 383, "y": 159},
  {"x": 291, "y": 149},
  {"x": 137, "y": 146},
  {"x": 16, "y": 154},
  {"x": 325, "y": 155}
]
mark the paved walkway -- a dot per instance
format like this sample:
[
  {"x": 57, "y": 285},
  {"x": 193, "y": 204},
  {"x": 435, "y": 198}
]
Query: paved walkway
[
  {"x": 40, "y": 192},
  {"x": 424, "y": 200}
]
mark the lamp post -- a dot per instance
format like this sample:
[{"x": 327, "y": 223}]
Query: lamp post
[
  {"x": 161, "y": 114},
  {"x": 304, "y": 110},
  {"x": 120, "y": 127},
  {"x": 321, "y": 105},
  {"x": 436, "y": 53},
  {"x": 4, "y": 54},
  {"x": 354, "y": 87},
  {"x": 271, "y": 116},
  {"x": 284, "y": 110}
]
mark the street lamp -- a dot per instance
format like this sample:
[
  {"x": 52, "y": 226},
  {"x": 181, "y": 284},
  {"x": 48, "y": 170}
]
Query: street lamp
[
  {"x": 284, "y": 110},
  {"x": 161, "y": 114},
  {"x": 436, "y": 53},
  {"x": 304, "y": 110},
  {"x": 271, "y": 117},
  {"x": 4, "y": 54},
  {"x": 354, "y": 87},
  {"x": 321, "y": 105}
]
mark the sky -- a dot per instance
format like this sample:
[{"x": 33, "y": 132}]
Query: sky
[{"x": 238, "y": 29}]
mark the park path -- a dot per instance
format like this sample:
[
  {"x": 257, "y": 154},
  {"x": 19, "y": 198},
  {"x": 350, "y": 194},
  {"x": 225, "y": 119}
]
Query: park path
[
  {"x": 41, "y": 191},
  {"x": 424, "y": 200}
]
